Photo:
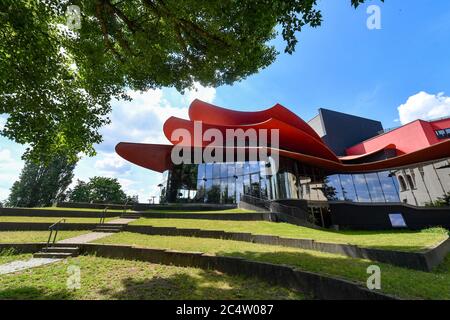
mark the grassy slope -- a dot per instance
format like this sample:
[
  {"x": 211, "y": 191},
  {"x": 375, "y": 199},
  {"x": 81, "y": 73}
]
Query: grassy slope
[
  {"x": 35, "y": 236},
  {"x": 9, "y": 255},
  {"x": 394, "y": 280},
  {"x": 77, "y": 209},
  {"x": 393, "y": 240},
  {"x": 50, "y": 219},
  {"x": 103, "y": 278},
  {"x": 237, "y": 210}
]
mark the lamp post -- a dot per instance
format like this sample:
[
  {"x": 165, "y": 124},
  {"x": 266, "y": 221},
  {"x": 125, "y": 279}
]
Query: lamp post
[
  {"x": 160, "y": 186},
  {"x": 18, "y": 201}
]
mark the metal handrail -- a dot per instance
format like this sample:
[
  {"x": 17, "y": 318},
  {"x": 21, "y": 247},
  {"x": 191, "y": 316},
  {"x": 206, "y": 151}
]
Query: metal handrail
[
  {"x": 125, "y": 206},
  {"x": 54, "y": 227},
  {"x": 256, "y": 201},
  {"x": 103, "y": 215}
]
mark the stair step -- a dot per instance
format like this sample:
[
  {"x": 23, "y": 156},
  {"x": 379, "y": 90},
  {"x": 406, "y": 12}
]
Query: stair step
[
  {"x": 107, "y": 230},
  {"x": 109, "y": 226},
  {"x": 54, "y": 255},
  {"x": 61, "y": 249}
]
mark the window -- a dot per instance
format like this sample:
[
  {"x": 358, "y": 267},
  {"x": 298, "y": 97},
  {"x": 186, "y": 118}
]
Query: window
[
  {"x": 410, "y": 181},
  {"x": 397, "y": 220},
  {"x": 402, "y": 182},
  {"x": 443, "y": 133}
]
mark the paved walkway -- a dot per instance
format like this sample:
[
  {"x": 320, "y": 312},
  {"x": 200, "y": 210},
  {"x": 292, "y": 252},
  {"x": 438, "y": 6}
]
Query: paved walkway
[
  {"x": 20, "y": 265},
  {"x": 85, "y": 238},
  {"x": 120, "y": 221}
]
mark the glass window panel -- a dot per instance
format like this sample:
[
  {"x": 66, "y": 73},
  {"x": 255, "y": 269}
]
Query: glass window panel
[
  {"x": 246, "y": 181},
  {"x": 223, "y": 170},
  {"x": 201, "y": 171},
  {"x": 254, "y": 167},
  {"x": 390, "y": 188},
  {"x": 246, "y": 168},
  {"x": 223, "y": 190},
  {"x": 216, "y": 170},
  {"x": 208, "y": 171},
  {"x": 348, "y": 189},
  {"x": 231, "y": 190},
  {"x": 362, "y": 191},
  {"x": 263, "y": 186},
  {"x": 231, "y": 170},
  {"x": 255, "y": 187},
  {"x": 239, "y": 169},
  {"x": 376, "y": 193},
  {"x": 239, "y": 187},
  {"x": 332, "y": 188}
]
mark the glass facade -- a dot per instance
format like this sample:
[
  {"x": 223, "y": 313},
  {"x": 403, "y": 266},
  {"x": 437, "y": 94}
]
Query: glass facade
[{"x": 226, "y": 182}]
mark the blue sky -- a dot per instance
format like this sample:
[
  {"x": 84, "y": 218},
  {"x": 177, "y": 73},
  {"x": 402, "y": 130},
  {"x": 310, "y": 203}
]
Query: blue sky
[{"x": 396, "y": 75}]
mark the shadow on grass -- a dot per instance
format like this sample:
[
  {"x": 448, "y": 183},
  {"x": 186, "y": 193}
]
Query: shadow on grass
[
  {"x": 33, "y": 293},
  {"x": 209, "y": 285},
  {"x": 401, "y": 282}
]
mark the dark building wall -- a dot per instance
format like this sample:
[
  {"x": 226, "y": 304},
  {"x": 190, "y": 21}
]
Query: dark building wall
[
  {"x": 340, "y": 130},
  {"x": 371, "y": 216}
]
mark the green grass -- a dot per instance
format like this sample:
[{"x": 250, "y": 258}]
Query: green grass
[
  {"x": 392, "y": 240},
  {"x": 103, "y": 278},
  {"x": 76, "y": 209},
  {"x": 50, "y": 219},
  {"x": 398, "y": 281},
  {"x": 237, "y": 210},
  {"x": 9, "y": 255},
  {"x": 35, "y": 236}
]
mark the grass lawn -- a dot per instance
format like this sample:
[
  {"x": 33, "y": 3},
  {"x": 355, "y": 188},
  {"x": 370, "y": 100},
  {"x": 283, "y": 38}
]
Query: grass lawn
[
  {"x": 50, "y": 219},
  {"x": 237, "y": 210},
  {"x": 398, "y": 281},
  {"x": 103, "y": 278},
  {"x": 391, "y": 240},
  {"x": 35, "y": 236},
  {"x": 77, "y": 209},
  {"x": 9, "y": 255}
]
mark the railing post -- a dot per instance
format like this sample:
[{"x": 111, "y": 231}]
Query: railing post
[{"x": 49, "y": 237}]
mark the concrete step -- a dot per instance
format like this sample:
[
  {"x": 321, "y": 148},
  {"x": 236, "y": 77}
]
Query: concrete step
[
  {"x": 109, "y": 226},
  {"x": 107, "y": 230},
  {"x": 53, "y": 255},
  {"x": 130, "y": 216},
  {"x": 61, "y": 249}
]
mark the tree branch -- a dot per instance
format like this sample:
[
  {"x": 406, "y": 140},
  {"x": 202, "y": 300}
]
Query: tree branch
[{"x": 99, "y": 14}]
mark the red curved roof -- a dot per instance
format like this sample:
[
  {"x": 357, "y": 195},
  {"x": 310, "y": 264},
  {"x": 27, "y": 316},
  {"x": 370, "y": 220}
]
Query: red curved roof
[
  {"x": 208, "y": 113},
  {"x": 390, "y": 146},
  {"x": 297, "y": 141},
  {"x": 290, "y": 138}
]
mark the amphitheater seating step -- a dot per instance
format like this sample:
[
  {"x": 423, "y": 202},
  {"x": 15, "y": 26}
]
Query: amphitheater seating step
[
  {"x": 130, "y": 216},
  {"x": 109, "y": 227},
  {"x": 57, "y": 252}
]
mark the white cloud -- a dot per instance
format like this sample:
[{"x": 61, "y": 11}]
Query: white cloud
[
  {"x": 206, "y": 94},
  {"x": 112, "y": 163},
  {"x": 2, "y": 123},
  {"x": 10, "y": 167},
  {"x": 140, "y": 120},
  {"x": 5, "y": 155},
  {"x": 424, "y": 106}
]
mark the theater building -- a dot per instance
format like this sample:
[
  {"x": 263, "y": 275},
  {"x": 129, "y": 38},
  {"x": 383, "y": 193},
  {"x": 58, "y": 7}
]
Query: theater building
[{"x": 333, "y": 157}]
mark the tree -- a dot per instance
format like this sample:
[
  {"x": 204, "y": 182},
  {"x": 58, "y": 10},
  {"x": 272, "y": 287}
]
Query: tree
[
  {"x": 41, "y": 185},
  {"x": 57, "y": 83},
  {"x": 440, "y": 202},
  {"x": 99, "y": 190},
  {"x": 80, "y": 193}
]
